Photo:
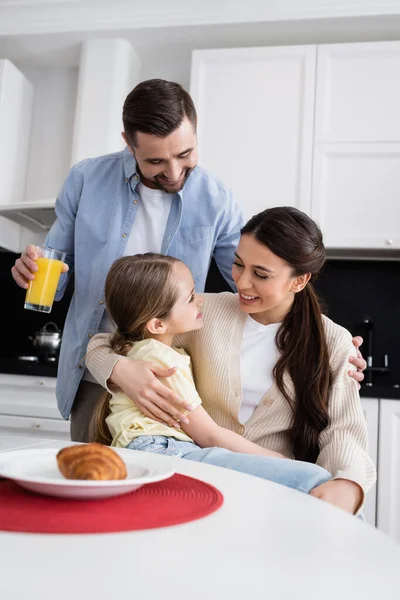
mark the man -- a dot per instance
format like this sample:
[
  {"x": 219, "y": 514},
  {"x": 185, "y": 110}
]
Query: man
[{"x": 151, "y": 197}]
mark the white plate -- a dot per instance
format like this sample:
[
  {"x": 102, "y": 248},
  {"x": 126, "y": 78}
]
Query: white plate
[{"x": 37, "y": 471}]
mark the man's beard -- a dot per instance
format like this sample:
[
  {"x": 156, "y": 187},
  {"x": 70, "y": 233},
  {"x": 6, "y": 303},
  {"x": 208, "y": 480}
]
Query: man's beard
[{"x": 159, "y": 184}]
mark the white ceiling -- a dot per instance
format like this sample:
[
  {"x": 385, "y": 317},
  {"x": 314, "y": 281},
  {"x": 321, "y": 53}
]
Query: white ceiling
[
  {"x": 167, "y": 43},
  {"x": 19, "y": 17}
]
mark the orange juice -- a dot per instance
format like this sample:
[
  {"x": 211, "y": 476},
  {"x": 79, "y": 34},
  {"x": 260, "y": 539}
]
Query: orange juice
[{"x": 41, "y": 291}]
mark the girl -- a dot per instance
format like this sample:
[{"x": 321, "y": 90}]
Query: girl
[
  {"x": 151, "y": 299},
  {"x": 269, "y": 366}
]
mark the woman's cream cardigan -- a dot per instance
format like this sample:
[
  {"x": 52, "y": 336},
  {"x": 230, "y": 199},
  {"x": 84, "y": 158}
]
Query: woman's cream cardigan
[{"x": 215, "y": 352}]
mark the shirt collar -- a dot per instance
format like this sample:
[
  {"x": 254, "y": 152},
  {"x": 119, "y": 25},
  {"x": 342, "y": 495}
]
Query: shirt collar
[{"x": 130, "y": 167}]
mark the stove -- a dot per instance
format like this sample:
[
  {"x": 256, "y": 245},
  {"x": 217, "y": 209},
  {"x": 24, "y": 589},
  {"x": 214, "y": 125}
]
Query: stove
[{"x": 38, "y": 359}]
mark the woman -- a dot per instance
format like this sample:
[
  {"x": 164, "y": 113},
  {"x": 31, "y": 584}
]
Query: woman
[{"x": 269, "y": 366}]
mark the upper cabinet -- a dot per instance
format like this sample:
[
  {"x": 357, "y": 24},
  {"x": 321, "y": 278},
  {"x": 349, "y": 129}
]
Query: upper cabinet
[
  {"x": 16, "y": 101},
  {"x": 356, "y": 171},
  {"x": 358, "y": 93},
  {"x": 356, "y": 194},
  {"x": 336, "y": 157},
  {"x": 256, "y": 108}
]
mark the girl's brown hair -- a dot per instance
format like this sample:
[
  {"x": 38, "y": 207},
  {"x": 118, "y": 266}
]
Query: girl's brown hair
[
  {"x": 297, "y": 239},
  {"x": 138, "y": 288}
]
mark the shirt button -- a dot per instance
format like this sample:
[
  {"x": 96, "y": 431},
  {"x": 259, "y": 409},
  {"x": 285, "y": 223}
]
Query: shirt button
[
  {"x": 126, "y": 179},
  {"x": 135, "y": 202},
  {"x": 101, "y": 302},
  {"x": 90, "y": 335},
  {"x": 124, "y": 235},
  {"x": 268, "y": 401},
  {"x": 136, "y": 177}
]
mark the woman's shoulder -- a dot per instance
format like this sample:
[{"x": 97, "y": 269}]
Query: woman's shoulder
[
  {"x": 339, "y": 341},
  {"x": 335, "y": 333},
  {"x": 223, "y": 302}
]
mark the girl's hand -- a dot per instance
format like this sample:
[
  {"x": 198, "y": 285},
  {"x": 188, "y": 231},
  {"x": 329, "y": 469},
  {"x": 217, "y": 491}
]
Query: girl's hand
[
  {"x": 138, "y": 380},
  {"x": 357, "y": 361},
  {"x": 343, "y": 493}
]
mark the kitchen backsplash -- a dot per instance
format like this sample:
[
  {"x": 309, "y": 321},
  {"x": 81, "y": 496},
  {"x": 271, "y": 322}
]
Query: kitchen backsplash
[
  {"x": 18, "y": 322},
  {"x": 352, "y": 290}
]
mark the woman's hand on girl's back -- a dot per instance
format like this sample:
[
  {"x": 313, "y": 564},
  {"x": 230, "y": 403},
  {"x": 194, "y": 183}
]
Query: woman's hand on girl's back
[
  {"x": 138, "y": 380},
  {"x": 358, "y": 361}
]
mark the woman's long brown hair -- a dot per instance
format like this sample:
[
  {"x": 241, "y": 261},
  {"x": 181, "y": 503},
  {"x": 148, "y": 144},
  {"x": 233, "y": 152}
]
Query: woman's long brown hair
[
  {"x": 138, "y": 288},
  {"x": 297, "y": 239}
]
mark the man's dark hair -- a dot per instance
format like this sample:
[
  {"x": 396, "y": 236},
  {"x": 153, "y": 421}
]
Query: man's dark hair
[{"x": 157, "y": 107}]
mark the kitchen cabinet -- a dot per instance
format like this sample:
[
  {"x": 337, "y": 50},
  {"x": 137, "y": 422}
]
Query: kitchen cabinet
[
  {"x": 35, "y": 427},
  {"x": 370, "y": 408},
  {"x": 358, "y": 93},
  {"x": 10, "y": 235},
  {"x": 356, "y": 171},
  {"x": 355, "y": 194},
  {"x": 28, "y": 406},
  {"x": 16, "y": 102},
  {"x": 255, "y": 109},
  {"x": 336, "y": 158},
  {"x": 389, "y": 468}
]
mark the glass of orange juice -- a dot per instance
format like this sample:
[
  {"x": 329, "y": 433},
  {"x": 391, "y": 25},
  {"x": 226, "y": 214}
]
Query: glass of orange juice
[{"x": 42, "y": 290}]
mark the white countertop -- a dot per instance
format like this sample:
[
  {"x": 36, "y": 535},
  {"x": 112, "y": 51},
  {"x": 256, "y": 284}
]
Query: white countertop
[{"x": 266, "y": 541}]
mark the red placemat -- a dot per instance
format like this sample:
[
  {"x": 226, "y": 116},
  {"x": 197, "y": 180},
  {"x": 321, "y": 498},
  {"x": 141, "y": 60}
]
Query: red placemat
[{"x": 176, "y": 500}]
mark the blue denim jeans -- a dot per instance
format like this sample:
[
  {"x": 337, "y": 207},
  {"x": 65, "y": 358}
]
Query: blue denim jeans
[{"x": 301, "y": 476}]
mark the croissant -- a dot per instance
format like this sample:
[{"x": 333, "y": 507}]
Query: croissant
[{"x": 91, "y": 461}]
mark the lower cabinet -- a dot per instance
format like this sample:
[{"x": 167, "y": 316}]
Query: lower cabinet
[
  {"x": 371, "y": 412},
  {"x": 389, "y": 468},
  {"x": 382, "y": 506},
  {"x": 28, "y": 407},
  {"x": 53, "y": 429}
]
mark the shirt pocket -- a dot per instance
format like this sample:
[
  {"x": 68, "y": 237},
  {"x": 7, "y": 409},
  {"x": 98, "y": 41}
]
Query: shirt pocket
[{"x": 194, "y": 246}]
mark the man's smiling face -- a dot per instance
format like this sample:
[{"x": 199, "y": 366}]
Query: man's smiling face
[{"x": 166, "y": 162}]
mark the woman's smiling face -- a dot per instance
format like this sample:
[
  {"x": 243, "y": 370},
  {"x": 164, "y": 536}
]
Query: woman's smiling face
[{"x": 265, "y": 282}]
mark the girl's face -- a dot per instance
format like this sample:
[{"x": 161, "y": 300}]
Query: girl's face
[
  {"x": 265, "y": 282},
  {"x": 186, "y": 314}
]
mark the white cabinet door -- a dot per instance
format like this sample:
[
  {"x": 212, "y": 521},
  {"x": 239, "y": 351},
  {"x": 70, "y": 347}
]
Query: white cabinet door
[
  {"x": 28, "y": 396},
  {"x": 371, "y": 412},
  {"x": 34, "y": 427},
  {"x": 358, "y": 93},
  {"x": 389, "y": 468},
  {"x": 28, "y": 407},
  {"x": 10, "y": 235},
  {"x": 16, "y": 103},
  {"x": 255, "y": 109},
  {"x": 356, "y": 194}
]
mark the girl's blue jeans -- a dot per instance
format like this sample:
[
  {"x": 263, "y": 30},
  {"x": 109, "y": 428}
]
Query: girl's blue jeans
[{"x": 302, "y": 476}]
